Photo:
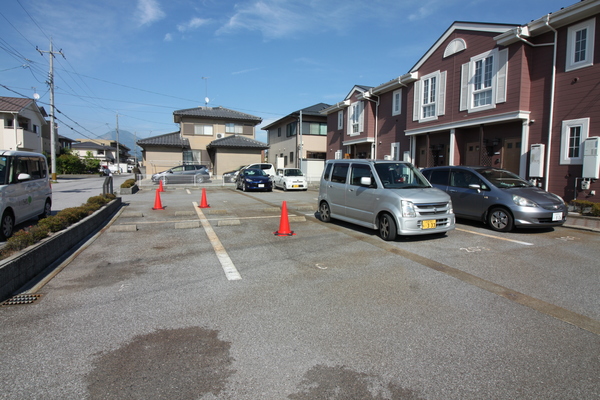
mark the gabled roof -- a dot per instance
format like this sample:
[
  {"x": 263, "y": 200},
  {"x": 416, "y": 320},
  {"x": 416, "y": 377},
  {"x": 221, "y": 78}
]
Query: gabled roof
[
  {"x": 236, "y": 141},
  {"x": 359, "y": 88},
  {"x": 465, "y": 26},
  {"x": 167, "y": 140},
  {"x": 18, "y": 104},
  {"x": 90, "y": 145},
  {"x": 314, "y": 110},
  {"x": 216, "y": 113}
]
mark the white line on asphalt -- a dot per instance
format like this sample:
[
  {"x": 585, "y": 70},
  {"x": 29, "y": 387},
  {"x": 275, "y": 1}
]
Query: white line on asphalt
[
  {"x": 230, "y": 270},
  {"x": 495, "y": 237}
]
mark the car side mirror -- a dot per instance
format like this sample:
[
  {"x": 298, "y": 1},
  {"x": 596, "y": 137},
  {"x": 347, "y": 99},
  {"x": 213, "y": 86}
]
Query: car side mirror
[
  {"x": 475, "y": 186},
  {"x": 365, "y": 181}
]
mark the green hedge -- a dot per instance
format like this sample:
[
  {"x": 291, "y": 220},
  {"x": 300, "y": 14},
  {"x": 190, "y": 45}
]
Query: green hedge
[
  {"x": 54, "y": 223},
  {"x": 586, "y": 207},
  {"x": 128, "y": 183}
]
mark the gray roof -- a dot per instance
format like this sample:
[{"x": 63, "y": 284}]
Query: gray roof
[
  {"x": 168, "y": 140},
  {"x": 218, "y": 113},
  {"x": 90, "y": 145},
  {"x": 314, "y": 110},
  {"x": 237, "y": 141}
]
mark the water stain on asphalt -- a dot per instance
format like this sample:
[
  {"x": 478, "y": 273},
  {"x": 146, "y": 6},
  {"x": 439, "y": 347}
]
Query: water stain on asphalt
[
  {"x": 185, "y": 363},
  {"x": 108, "y": 274},
  {"x": 341, "y": 383}
]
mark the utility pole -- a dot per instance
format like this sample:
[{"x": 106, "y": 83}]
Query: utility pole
[
  {"x": 51, "y": 52},
  {"x": 118, "y": 150}
]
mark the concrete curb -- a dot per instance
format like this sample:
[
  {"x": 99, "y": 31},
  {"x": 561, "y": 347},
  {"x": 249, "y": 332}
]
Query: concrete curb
[{"x": 19, "y": 269}]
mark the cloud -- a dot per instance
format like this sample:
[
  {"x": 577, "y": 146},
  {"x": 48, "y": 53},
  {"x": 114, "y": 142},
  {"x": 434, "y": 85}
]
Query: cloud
[
  {"x": 244, "y": 71},
  {"x": 168, "y": 38},
  {"x": 192, "y": 24},
  {"x": 148, "y": 11},
  {"x": 427, "y": 9}
]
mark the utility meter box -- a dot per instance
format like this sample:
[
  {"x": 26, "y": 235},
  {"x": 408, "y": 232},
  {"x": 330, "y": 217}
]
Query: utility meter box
[
  {"x": 536, "y": 160},
  {"x": 591, "y": 158}
]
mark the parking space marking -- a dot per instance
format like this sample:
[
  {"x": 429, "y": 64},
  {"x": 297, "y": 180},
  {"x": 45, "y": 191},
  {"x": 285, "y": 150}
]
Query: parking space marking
[
  {"x": 229, "y": 268},
  {"x": 495, "y": 237}
]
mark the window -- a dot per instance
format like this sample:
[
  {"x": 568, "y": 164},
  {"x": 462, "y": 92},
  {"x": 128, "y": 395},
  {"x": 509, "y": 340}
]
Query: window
[
  {"x": 340, "y": 116},
  {"x": 290, "y": 129},
  {"x": 291, "y": 156},
  {"x": 430, "y": 97},
  {"x": 580, "y": 45},
  {"x": 396, "y": 151},
  {"x": 279, "y": 132},
  {"x": 397, "y": 102},
  {"x": 483, "y": 81},
  {"x": 327, "y": 172},
  {"x": 314, "y": 128},
  {"x": 360, "y": 171},
  {"x": 204, "y": 130},
  {"x": 340, "y": 171},
  {"x": 355, "y": 118},
  {"x": 233, "y": 128},
  {"x": 574, "y": 132}
]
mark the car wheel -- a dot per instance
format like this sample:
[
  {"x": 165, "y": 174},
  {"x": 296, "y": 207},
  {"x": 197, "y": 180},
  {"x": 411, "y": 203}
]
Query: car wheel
[
  {"x": 244, "y": 188},
  {"x": 284, "y": 187},
  {"x": 200, "y": 179},
  {"x": 7, "y": 225},
  {"x": 499, "y": 219},
  {"x": 47, "y": 210},
  {"x": 387, "y": 227},
  {"x": 324, "y": 212}
]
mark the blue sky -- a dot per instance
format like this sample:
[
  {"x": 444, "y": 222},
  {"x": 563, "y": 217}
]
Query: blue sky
[{"x": 144, "y": 59}]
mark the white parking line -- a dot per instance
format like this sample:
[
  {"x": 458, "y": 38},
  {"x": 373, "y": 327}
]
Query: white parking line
[
  {"x": 495, "y": 237},
  {"x": 230, "y": 270}
]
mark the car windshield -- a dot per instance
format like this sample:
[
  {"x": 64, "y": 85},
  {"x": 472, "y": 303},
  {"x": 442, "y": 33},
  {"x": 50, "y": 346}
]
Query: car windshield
[
  {"x": 292, "y": 172},
  {"x": 503, "y": 179},
  {"x": 400, "y": 176},
  {"x": 255, "y": 172}
]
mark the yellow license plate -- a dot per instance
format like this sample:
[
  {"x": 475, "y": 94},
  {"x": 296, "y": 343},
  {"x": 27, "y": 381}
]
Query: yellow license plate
[{"x": 428, "y": 224}]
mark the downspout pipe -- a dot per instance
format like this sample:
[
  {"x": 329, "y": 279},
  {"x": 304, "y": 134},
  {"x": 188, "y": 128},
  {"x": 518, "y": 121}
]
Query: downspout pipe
[{"x": 552, "y": 94}]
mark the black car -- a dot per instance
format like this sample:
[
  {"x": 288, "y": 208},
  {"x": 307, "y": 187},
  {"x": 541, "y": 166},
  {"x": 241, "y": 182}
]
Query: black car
[
  {"x": 253, "y": 179},
  {"x": 497, "y": 197}
]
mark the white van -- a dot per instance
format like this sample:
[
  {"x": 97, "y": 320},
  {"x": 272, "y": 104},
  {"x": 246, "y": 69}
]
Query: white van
[
  {"x": 390, "y": 196},
  {"x": 25, "y": 190}
]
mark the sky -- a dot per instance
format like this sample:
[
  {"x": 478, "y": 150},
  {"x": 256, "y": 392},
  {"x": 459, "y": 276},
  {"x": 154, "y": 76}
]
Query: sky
[{"x": 138, "y": 61}]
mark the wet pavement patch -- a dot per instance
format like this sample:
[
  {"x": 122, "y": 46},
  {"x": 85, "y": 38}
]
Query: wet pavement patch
[
  {"x": 185, "y": 363},
  {"x": 341, "y": 383}
]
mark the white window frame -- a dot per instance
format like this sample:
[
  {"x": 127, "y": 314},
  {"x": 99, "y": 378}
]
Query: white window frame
[
  {"x": 233, "y": 128},
  {"x": 437, "y": 102},
  {"x": 397, "y": 102},
  {"x": 589, "y": 27},
  {"x": 203, "y": 130},
  {"x": 395, "y": 151},
  {"x": 356, "y": 118},
  {"x": 567, "y": 125},
  {"x": 340, "y": 117},
  {"x": 498, "y": 83}
]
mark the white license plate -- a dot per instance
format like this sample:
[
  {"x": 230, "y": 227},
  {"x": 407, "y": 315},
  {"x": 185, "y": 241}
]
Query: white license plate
[
  {"x": 261, "y": 185},
  {"x": 557, "y": 216}
]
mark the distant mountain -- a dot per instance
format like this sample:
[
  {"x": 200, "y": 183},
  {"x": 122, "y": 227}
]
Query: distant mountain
[{"x": 126, "y": 138}]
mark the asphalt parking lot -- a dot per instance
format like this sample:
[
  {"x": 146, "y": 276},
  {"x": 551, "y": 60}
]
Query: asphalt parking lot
[{"x": 208, "y": 303}]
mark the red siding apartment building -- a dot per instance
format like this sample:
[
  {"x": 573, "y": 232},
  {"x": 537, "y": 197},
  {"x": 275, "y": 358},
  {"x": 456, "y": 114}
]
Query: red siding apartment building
[{"x": 522, "y": 98}]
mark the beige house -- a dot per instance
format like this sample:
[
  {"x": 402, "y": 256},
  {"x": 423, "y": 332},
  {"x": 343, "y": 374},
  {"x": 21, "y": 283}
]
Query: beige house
[
  {"x": 28, "y": 133},
  {"x": 220, "y": 138}
]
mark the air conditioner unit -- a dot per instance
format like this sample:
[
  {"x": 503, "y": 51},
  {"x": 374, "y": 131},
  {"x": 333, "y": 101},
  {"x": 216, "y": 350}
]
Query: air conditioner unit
[{"x": 220, "y": 135}]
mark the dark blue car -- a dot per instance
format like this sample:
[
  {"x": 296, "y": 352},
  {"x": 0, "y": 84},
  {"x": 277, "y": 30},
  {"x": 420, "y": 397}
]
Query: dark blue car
[{"x": 253, "y": 179}]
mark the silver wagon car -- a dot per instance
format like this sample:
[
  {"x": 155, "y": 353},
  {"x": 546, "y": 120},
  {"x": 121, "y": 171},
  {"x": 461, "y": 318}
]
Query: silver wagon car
[
  {"x": 190, "y": 173},
  {"x": 390, "y": 196},
  {"x": 497, "y": 197}
]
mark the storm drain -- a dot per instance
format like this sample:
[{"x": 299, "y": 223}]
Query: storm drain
[{"x": 21, "y": 299}]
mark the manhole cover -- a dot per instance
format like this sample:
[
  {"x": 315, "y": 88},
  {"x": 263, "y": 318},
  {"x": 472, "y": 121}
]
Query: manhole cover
[{"x": 21, "y": 299}]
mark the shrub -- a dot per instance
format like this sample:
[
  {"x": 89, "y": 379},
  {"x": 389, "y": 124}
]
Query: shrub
[
  {"x": 587, "y": 207},
  {"x": 54, "y": 223},
  {"x": 128, "y": 183}
]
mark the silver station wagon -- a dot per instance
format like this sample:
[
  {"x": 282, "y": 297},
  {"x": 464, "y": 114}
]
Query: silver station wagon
[{"x": 390, "y": 196}]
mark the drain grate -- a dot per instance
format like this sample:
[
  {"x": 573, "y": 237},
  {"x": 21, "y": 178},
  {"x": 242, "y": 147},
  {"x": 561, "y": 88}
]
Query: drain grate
[{"x": 21, "y": 299}]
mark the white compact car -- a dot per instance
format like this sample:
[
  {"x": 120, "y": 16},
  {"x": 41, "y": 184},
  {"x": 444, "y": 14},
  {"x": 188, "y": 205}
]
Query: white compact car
[
  {"x": 25, "y": 190},
  {"x": 290, "y": 178}
]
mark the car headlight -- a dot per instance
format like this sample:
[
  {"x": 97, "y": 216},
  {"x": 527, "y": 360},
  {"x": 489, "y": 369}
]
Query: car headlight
[
  {"x": 408, "y": 209},
  {"x": 523, "y": 202},
  {"x": 450, "y": 208},
  {"x": 248, "y": 180}
]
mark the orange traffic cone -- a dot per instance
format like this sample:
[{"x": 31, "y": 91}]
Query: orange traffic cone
[
  {"x": 284, "y": 223},
  {"x": 160, "y": 186},
  {"x": 203, "y": 203},
  {"x": 157, "y": 203}
]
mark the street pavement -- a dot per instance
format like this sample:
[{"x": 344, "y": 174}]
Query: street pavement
[{"x": 153, "y": 308}]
